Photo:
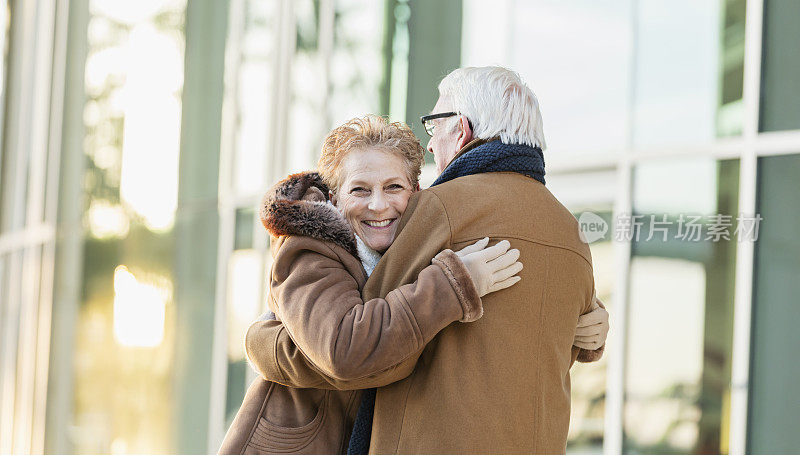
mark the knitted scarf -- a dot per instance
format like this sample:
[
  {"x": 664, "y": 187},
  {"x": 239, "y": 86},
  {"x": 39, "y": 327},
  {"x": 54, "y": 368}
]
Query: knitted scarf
[{"x": 493, "y": 156}]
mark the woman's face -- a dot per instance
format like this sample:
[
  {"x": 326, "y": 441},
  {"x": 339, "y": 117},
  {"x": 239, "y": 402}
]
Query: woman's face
[{"x": 373, "y": 195}]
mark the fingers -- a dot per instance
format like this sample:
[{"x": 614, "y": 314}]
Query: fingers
[
  {"x": 592, "y": 330},
  {"x": 503, "y": 284},
  {"x": 504, "y": 260},
  {"x": 494, "y": 252},
  {"x": 477, "y": 246},
  {"x": 507, "y": 272},
  {"x": 597, "y": 316}
]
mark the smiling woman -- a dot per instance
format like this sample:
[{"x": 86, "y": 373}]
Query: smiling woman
[
  {"x": 372, "y": 167},
  {"x": 373, "y": 195}
]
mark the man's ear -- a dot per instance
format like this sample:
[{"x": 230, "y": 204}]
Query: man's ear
[{"x": 465, "y": 132}]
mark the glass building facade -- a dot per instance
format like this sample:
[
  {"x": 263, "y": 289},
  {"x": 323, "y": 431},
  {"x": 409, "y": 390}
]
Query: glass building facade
[{"x": 138, "y": 137}]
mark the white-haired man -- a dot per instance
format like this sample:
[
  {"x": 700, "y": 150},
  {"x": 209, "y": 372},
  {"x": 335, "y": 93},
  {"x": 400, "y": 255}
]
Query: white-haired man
[{"x": 500, "y": 384}]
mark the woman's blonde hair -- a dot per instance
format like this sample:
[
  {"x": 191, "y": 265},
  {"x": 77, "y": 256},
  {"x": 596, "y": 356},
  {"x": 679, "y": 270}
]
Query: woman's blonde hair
[{"x": 370, "y": 131}]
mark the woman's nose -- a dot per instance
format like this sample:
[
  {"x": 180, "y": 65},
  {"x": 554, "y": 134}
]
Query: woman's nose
[{"x": 378, "y": 202}]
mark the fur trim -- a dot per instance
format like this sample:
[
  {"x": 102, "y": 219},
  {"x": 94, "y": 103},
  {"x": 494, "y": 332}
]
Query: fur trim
[
  {"x": 586, "y": 356},
  {"x": 457, "y": 273},
  {"x": 299, "y": 205}
]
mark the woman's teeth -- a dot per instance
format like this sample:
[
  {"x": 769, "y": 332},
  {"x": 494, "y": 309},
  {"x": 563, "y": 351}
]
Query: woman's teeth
[{"x": 383, "y": 223}]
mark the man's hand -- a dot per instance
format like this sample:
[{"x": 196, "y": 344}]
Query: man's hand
[
  {"x": 493, "y": 268},
  {"x": 592, "y": 327}
]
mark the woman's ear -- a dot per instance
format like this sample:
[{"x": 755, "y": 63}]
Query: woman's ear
[
  {"x": 416, "y": 187},
  {"x": 332, "y": 197}
]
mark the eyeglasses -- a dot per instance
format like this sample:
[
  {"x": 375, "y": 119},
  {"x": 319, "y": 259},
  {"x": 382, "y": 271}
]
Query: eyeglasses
[{"x": 428, "y": 125}]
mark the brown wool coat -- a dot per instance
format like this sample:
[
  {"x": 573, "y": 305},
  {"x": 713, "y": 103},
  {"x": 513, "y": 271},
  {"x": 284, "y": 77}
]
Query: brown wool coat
[
  {"x": 315, "y": 289},
  {"x": 498, "y": 385}
]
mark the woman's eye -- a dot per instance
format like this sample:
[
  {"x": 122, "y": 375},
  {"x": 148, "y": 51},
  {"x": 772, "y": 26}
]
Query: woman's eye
[
  {"x": 358, "y": 190},
  {"x": 395, "y": 186}
]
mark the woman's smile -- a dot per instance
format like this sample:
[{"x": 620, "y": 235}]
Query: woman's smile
[
  {"x": 379, "y": 224},
  {"x": 373, "y": 195}
]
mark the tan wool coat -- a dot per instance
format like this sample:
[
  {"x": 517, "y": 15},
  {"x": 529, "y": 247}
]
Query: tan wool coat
[
  {"x": 315, "y": 288},
  {"x": 498, "y": 385}
]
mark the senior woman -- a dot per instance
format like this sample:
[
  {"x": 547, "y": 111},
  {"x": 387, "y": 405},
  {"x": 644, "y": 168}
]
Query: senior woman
[{"x": 330, "y": 230}]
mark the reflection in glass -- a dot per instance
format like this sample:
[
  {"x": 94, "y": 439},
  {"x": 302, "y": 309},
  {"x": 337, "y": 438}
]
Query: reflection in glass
[
  {"x": 357, "y": 60},
  {"x": 780, "y": 70},
  {"x": 586, "y": 40},
  {"x": 326, "y": 93},
  {"x": 676, "y": 72},
  {"x": 5, "y": 21},
  {"x": 774, "y": 395},
  {"x": 255, "y": 90},
  {"x": 124, "y": 346},
  {"x": 680, "y": 318},
  {"x": 245, "y": 274},
  {"x": 731, "y": 107},
  {"x": 307, "y": 116}
]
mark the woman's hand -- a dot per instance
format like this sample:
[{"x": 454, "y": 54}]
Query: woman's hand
[
  {"x": 493, "y": 268},
  {"x": 592, "y": 327}
]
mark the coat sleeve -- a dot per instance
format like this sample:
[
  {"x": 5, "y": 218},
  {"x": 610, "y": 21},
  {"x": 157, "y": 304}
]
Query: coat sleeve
[
  {"x": 277, "y": 358},
  {"x": 329, "y": 336}
]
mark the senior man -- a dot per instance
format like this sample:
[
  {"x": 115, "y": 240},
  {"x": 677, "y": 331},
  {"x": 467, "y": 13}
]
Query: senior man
[{"x": 500, "y": 384}]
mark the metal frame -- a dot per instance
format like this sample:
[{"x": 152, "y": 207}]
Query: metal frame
[
  {"x": 37, "y": 70},
  {"x": 743, "y": 292}
]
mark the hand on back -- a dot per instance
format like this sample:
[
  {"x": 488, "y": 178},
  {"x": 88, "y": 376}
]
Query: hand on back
[{"x": 491, "y": 268}]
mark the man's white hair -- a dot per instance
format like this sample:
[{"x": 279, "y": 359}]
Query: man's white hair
[{"x": 497, "y": 102}]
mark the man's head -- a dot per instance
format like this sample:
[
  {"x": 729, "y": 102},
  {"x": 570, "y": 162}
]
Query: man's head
[{"x": 488, "y": 102}]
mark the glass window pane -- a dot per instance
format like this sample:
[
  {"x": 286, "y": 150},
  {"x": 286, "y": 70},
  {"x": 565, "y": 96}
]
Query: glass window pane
[
  {"x": 774, "y": 414},
  {"x": 680, "y": 319},
  {"x": 5, "y": 21},
  {"x": 124, "y": 362},
  {"x": 255, "y": 90},
  {"x": 780, "y": 68},
  {"x": 357, "y": 60},
  {"x": 586, "y": 40},
  {"x": 677, "y": 72},
  {"x": 307, "y": 126},
  {"x": 245, "y": 278},
  {"x": 245, "y": 219},
  {"x": 731, "y": 106}
]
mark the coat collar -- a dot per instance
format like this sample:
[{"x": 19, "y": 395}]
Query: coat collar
[{"x": 299, "y": 205}]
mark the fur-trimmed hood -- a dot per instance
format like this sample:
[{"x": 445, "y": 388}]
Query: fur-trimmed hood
[{"x": 299, "y": 205}]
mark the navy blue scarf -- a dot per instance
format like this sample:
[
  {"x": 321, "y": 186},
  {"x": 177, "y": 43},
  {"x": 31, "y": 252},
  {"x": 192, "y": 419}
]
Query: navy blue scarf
[
  {"x": 362, "y": 428},
  {"x": 493, "y": 156}
]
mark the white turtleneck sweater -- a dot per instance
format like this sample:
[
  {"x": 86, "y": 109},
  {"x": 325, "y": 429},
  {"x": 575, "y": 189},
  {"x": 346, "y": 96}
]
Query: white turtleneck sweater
[{"x": 369, "y": 257}]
